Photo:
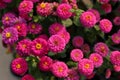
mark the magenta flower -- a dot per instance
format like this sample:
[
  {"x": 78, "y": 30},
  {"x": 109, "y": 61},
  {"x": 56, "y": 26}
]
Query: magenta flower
[
  {"x": 39, "y": 47},
  {"x": 28, "y": 77},
  {"x": 97, "y": 59},
  {"x": 10, "y": 35},
  {"x": 25, "y": 16},
  {"x": 34, "y": 1},
  {"x": 19, "y": 66},
  {"x": 85, "y": 48},
  {"x": 44, "y": 9},
  {"x": 117, "y": 20},
  {"x": 23, "y": 47},
  {"x": 21, "y": 28},
  {"x": 115, "y": 38},
  {"x": 86, "y": 67},
  {"x": 104, "y": 1},
  {"x": 115, "y": 58},
  {"x": 8, "y": 19},
  {"x": 63, "y": 11},
  {"x": 105, "y": 25},
  {"x": 77, "y": 41},
  {"x": 72, "y": 75},
  {"x": 44, "y": 36},
  {"x": 108, "y": 74},
  {"x": 88, "y": 19},
  {"x": 2, "y": 4},
  {"x": 55, "y": 28},
  {"x": 34, "y": 28},
  {"x": 106, "y": 7},
  {"x": 7, "y": 1},
  {"x": 89, "y": 77},
  {"x": 25, "y": 7},
  {"x": 96, "y": 13},
  {"x": 56, "y": 43},
  {"x": 45, "y": 63},
  {"x": 101, "y": 48},
  {"x": 59, "y": 69},
  {"x": 116, "y": 68},
  {"x": 76, "y": 54}
]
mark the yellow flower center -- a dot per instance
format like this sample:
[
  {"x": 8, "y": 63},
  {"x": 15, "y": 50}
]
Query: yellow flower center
[
  {"x": 117, "y": 38},
  {"x": 86, "y": 66},
  {"x": 24, "y": 46},
  {"x": 18, "y": 27},
  {"x": 88, "y": 17},
  {"x": 18, "y": 66},
  {"x": 43, "y": 5},
  {"x": 60, "y": 69},
  {"x": 24, "y": 5},
  {"x": 106, "y": 24},
  {"x": 64, "y": 9},
  {"x": 56, "y": 43},
  {"x": 8, "y": 35},
  {"x": 33, "y": 26},
  {"x": 38, "y": 46},
  {"x": 76, "y": 55},
  {"x": 95, "y": 59},
  {"x": 118, "y": 58},
  {"x": 57, "y": 28},
  {"x": 7, "y": 18},
  {"x": 102, "y": 49},
  {"x": 45, "y": 64}
]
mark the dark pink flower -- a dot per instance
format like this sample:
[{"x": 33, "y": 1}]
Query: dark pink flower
[
  {"x": 106, "y": 7},
  {"x": 116, "y": 20},
  {"x": 28, "y": 77},
  {"x": 108, "y": 74}
]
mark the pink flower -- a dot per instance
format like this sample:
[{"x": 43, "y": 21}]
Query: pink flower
[
  {"x": 106, "y": 7},
  {"x": 116, "y": 68},
  {"x": 39, "y": 47},
  {"x": 55, "y": 28},
  {"x": 19, "y": 66},
  {"x": 28, "y": 77},
  {"x": 101, "y": 48},
  {"x": 43, "y": 36},
  {"x": 23, "y": 47},
  {"x": 85, "y": 48},
  {"x": 63, "y": 11},
  {"x": 97, "y": 59},
  {"x": 96, "y": 13},
  {"x": 65, "y": 35},
  {"x": 25, "y": 16},
  {"x": 44, "y": 9},
  {"x": 72, "y": 75},
  {"x": 35, "y": 28},
  {"x": 86, "y": 67},
  {"x": 105, "y": 25},
  {"x": 34, "y": 1},
  {"x": 56, "y": 44},
  {"x": 7, "y": 1},
  {"x": 115, "y": 38},
  {"x": 2, "y": 4},
  {"x": 88, "y": 19},
  {"x": 108, "y": 74},
  {"x": 104, "y": 1},
  {"x": 89, "y": 77},
  {"x": 115, "y": 58},
  {"x": 76, "y": 54},
  {"x": 45, "y": 63},
  {"x": 25, "y": 7},
  {"x": 77, "y": 41},
  {"x": 59, "y": 69},
  {"x": 117, "y": 20},
  {"x": 21, "y": 28}
]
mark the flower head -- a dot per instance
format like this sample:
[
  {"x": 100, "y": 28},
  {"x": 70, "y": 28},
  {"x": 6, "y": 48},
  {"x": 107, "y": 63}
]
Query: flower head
[
  {"x": 97, "y": 59},
  {"x": 56, "y": 43},
  {"x": 105, "y": 25},
  {"x": 115, "y": 58},
  {"x": 104, "y": 1},
  {"x": 59, "y": 69},
  {"x": 19, "y": 66},
  {"x": 45, "y": 63},
  {"x": 85, "y": 48},
  {"x": 7, "y": 1},
  {"x": 10, "y": 35},
  {"x": 34, "y": 1},
  {"x": 28, "y": 77},
  {"x": 63, "y": 11},
  {"x": 76, "y": 54},
  {"x": 44, "y": 9},
  {"x": 77, "y": 41},
  {"x": 23, "y": 47},
  {"x": 117, "y": 20},
  {"x": 44, "y": 36},
  {"x": 108, "y": 74},
  {"x": 106, "y": 7},
  {"x": 115, "y": 38},
  {"x": 86, "y": 67},
  {"x": 101, "y": 48},
  {"x": 116, "y": 68},
  {"x": 88, "y": 19},
  {"x": 2, "y": 4}
]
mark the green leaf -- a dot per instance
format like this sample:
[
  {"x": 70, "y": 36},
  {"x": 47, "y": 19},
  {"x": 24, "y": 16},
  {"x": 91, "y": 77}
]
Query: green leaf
[
  {"x": 71, "y": 64},
  {"x": 96, "y": 27},
  {"x": 76, "y": 20},
  {"x": 51, "y": 54},
  {"x": 67, "y": 22}
]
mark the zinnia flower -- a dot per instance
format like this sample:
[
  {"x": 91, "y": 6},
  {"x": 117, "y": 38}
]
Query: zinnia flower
[
  {"x": 55, "y": 28},
  {"x": 97, "y": 59},
  {"x": 44, "y": 36},
  {"x": 59, "y": 69},
  {"x": 39, "y": 47},
  {"x": 85, "y": 48},
  {"x": 63, "y": 11},
  {"x": 10, "y": 35},
  {"x": 23, "y": 47},
  {"x": 106, "y": 7},
  {"x": 44, "y": 9},
  {"x": 104, "y": 1},
  {"x": 86, "y": 67},
  {"x": 2, "y": 4},
  {"x": 34, "y": 28},
  {"x": 56, "y": 43},
  {"x": 108, "y": 74},
  {"x": 116, "y": 68},
  {"x": 7, "y": 1},
  {"x": 115, "y": 38},
  {"x": 88, "y": 19},
  {"x": 45, "y": 63},
  {"x": 105, "y": 25},
  {"x": 101, "y": 48},
  {"x": 115, "y": 58},
  {"x": 76, "y": 54},
  {"x": 28, "y": 77},
  {"x": 77, "y": 41},
  {"x": 117, "y": 20},
  {"x": 34, "y": 1},
  {"x": 19, "y": 66},
  {"x": 25, "y": 7}
]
